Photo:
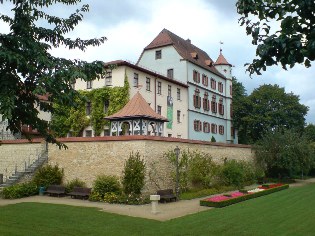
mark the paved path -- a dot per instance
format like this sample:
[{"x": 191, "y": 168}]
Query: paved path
[{"x": 167, "y": 211}]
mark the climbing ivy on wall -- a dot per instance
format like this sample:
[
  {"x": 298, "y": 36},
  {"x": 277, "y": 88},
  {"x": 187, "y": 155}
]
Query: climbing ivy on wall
[{"x": 72, "y": 119}]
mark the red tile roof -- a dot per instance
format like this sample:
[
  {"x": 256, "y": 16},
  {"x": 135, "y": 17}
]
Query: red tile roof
[
  {"x": 185, "y": 49},
  {"x": 145, "y": 70},
  {"x": 137, "y": 107},
  {"x": 221, "y": 60}
]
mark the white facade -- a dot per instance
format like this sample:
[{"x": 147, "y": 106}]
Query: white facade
[
  {"x": 184, "y": 63},
  {"x": 155, "y": 90}
]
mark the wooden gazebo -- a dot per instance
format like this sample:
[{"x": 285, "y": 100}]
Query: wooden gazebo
[{"x": 136, "y": 118}]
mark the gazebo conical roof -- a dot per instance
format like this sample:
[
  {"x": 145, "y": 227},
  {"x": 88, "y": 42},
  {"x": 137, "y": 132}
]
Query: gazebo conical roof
[{"x": 137, "y": 107}]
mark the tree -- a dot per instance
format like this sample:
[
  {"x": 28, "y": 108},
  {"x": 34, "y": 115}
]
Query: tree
[
  {"x": 28, "y": 70},
  {"x": 284, "y": 153},
  {"x": 269, "y": 108},
  {"x": 293, "y": 43},
  {"x": 309, "y": 132},
  {"x": 239, "y": 108}
]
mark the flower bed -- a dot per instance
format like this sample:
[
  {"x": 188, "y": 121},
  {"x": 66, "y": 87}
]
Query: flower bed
[{"x": 239, "y": 196}]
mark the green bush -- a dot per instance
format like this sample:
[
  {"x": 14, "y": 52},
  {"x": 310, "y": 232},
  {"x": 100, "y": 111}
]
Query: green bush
[
  {"x": 242, "y": 198},
  {"x": 133, "y": 199},
  {"x": 106, "y": 184},
  {"x": 74, "y": 183},
  {"x": 20, "y": 190},
  {"x": 48, "y": 175},
  {"x": 133, "y": 174},
  {"x": 201, "y": 170},
  {"x": 237, "y": 173},
  {"x": 110, "y": 198}
]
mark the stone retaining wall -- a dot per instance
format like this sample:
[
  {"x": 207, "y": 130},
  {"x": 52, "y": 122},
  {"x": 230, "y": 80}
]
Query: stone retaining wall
[
  {"x": 86, "y": 158},
  {"x": 15, "y": 154}
]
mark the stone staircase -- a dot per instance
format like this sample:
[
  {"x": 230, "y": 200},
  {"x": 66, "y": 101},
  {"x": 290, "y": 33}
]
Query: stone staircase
[{"x": 15, "y": 177}]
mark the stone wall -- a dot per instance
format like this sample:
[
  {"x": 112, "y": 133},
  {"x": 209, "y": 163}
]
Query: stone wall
[
  {"x": 86, "y": 158},
  {"x": 15, "y": 154}
]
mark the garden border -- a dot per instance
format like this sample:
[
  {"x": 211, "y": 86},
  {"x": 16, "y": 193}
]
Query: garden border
[{"x": 231, "y": 201}]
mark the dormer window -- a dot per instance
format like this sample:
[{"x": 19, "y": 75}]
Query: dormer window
[
  {"x": 194, "y": 55},
  {"x": 209, "y": 63}
]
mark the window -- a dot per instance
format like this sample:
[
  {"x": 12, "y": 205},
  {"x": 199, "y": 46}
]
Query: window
[
  {"x": 220, "y": 85},
  {"x": 214, "y": 104},
  {"x": 214, "y": 128},
  {"x": 197, "y": 125},
  {"x": 170, "y": 73},
  {"x": 205, "y": 80},
  {"x": 178, "y": 116},
  {"x": 232, "y": 132},
  {"x": 178, "y": 93},
  {"x": 231, "y": 90},
  {"x": 106, "y": 105},
  {"x": 206, "y": 127},
  {"x": 159, "y": 110},
  {"x": 197, "y": 99},
  {"x": 88, "y": 133},
  {"x": 221, "y": 107},
  {"x": 159, "y": 87},
  {"x": 169, "y": 135},
  {"x": 169, "y": 91},
  {"x": 196, "y": 76},
  {"x": 231, "y": 110},
  {"x": 148, "y": 84},
  {"x": 88, "y": 84},
  {"x": 213, "y": 84},
  {"x": 221, "y": 129},
  {"x": 108, "y": 78},
  {"x": 135, "y": 80},
  {"x": 206, "y": 104},
  {"x": 158, "y": 54},
  {"x": 88, "y": 108}
]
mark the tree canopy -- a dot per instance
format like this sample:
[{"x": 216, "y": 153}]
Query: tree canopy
[
  {"x": 293, "y": 43},
  {"x": 284, "y": 153},
  {"x": 268, "y": 108},
  {"x": 27, "y": 69}
]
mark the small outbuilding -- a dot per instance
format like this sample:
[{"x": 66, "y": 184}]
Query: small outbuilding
[{"x": 136, "y": 118}]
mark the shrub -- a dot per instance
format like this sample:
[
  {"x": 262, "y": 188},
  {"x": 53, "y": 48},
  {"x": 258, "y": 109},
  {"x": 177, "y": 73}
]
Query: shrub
[
  {"x": 106, "y": 184},
  {"x": 201, "y": 170},
  {"x": 183, "y": 164},
  {"x": 20, "y": 190},
  {"x": 110, "y": 198},
  {"x": 48, "y": 175},
  {"x": 232, "y": 173},
  {"x": 74, "y": 183},
  {"x": 133, "y": 199},
  {"x": 133, "y": 174}
]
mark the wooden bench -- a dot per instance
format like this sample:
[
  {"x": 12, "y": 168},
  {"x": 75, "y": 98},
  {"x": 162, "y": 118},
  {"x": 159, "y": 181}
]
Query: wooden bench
[
  {"x": 166, "y": 195},
  {"x": 80, "y": 192},
  {"x": 56, "y": 190}
]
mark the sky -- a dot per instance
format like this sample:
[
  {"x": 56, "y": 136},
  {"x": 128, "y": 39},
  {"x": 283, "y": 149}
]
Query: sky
[{"x": 130, "y": 25}]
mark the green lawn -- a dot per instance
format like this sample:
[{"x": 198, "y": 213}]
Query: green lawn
[{"x": 288, "y": 212}]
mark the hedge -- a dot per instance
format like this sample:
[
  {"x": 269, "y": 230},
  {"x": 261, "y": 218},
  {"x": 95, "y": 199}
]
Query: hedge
[{"x": 231, "y": 201}]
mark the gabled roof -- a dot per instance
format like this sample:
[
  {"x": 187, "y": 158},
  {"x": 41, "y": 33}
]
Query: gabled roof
[
  {"x": 221, "y": 60},
  {"x": 137, "y": 107},
  {"x": 185, "y": 49}
]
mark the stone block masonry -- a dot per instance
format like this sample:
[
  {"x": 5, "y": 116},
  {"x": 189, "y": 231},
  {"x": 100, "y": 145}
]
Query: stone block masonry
[
  {"x": 86, "y": 158},
  {"x": 15, "y": 154}
]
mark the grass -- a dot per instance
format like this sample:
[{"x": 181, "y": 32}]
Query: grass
[{"x": 289, "y": 212}]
